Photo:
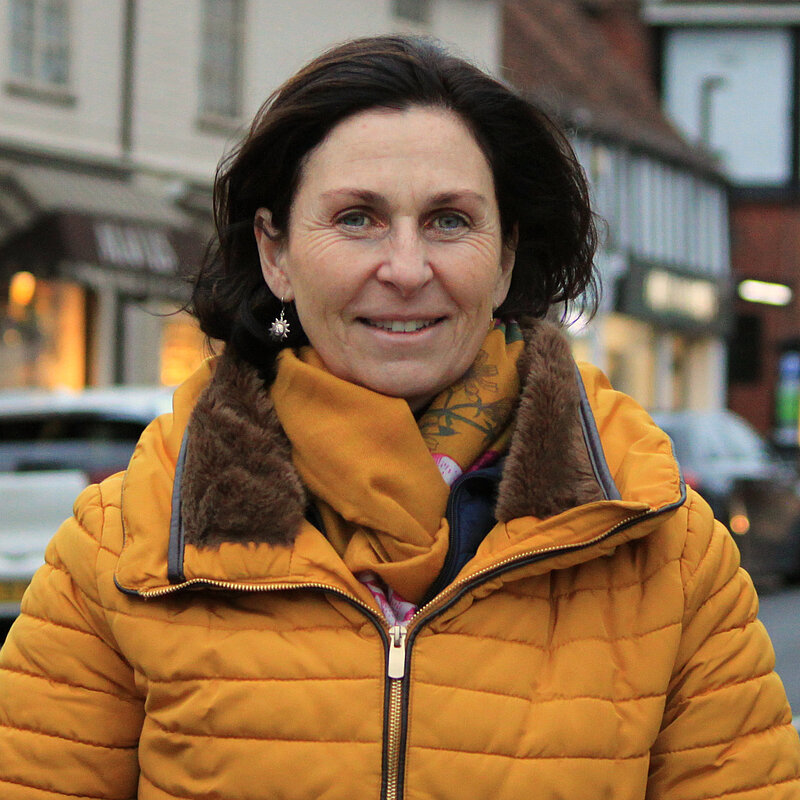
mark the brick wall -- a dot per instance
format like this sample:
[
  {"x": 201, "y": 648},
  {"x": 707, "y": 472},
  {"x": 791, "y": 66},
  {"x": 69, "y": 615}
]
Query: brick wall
[{"x": 766, "y": 246}]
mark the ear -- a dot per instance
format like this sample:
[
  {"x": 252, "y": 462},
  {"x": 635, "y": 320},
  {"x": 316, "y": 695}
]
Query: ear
[
  {"x": 508, "y": 256},
  {"x": 272, "y": 255}
]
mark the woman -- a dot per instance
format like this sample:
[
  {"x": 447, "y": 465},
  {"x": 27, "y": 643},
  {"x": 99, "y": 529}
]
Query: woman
[{"x": 391, "y": 543}]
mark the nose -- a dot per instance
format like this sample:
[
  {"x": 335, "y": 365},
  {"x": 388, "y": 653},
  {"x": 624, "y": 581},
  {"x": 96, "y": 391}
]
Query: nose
[{"x": 405, "y": 264}]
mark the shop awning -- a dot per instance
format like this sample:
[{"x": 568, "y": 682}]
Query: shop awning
[{"x": 65, "y": 222}]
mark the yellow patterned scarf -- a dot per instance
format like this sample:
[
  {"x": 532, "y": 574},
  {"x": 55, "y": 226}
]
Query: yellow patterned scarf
[{"x": 367, "y": 462}]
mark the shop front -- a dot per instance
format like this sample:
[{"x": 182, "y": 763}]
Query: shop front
[
  {"x": 687, "y": 316},
  {"x": 660, "y": 336},
  {"x": 91, "y": 289}
]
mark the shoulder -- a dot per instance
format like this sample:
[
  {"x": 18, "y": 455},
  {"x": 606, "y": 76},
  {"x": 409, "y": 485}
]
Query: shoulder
[
  {"x": 710, "y": 563},
  {"x": 95, "y": 525}
]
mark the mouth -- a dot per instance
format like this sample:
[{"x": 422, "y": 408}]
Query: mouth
[{"x": 400, "y": 325}]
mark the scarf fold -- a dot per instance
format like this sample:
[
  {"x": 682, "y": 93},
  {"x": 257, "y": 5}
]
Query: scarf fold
[{"x": 380, "y": 478}]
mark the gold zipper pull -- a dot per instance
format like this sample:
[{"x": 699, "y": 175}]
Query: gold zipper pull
[{"x": 397, "y": 651}]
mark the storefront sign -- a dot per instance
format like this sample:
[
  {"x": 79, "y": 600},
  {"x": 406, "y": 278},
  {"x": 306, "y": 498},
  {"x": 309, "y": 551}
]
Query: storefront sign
[
  {"x": 117, "y": 224},
  {"x": 133, "y": 256},
  {"x": 675, "y": 299},
  {"x": 125, "y": 246},
  {"x": 136, "y": 247},
  {"x": 668, "y": 293}
]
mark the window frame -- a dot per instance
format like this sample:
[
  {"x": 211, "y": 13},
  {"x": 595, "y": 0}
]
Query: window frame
[
  {"x": 415, "y": 12},
  {"x": 211, "y": 115},
  {"x": 741, "y": 188},
  {"x": 35, "y": 82}
]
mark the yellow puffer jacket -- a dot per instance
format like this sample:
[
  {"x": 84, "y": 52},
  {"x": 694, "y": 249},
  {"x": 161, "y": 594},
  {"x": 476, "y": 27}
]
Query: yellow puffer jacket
[{"x": 197, "y": 639}]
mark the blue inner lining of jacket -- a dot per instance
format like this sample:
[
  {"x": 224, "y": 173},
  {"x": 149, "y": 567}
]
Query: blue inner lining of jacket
[{"x": 470, "y": 515}]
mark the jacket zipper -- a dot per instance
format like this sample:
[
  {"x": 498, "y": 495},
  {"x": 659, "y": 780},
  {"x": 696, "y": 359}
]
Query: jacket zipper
[
  {"x": 395, "y": 661},
  {"x": 396, "y": 670},
  {"x": 399, "y": 639}
]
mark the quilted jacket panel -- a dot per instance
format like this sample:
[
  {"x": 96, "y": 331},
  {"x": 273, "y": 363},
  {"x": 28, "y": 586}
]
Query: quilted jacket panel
[{"x": 610, "y": 651}]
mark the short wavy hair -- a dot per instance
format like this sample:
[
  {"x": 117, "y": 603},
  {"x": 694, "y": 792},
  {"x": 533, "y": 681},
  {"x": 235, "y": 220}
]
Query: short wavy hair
[{"x": 541, "y": 189}]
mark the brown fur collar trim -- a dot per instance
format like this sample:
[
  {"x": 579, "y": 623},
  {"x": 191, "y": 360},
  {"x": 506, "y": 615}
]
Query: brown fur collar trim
[
  {"x": 548, "y": 469},
  {"x": 239, "y": 482}
]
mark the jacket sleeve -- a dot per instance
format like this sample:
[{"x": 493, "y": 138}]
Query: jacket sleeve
[
  {"x": 70, "y": 717},
  {"x": 727, "y": 730}
]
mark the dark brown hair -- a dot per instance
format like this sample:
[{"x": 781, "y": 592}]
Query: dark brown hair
[{"x": 541, "y": 190}]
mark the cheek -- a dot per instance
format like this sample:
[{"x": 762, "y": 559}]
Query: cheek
[
  {"x": 474, "y": 271},
  {"x": 319, "y": 245},
  {"x": 475, "y": 291},
  {"x": 319, "y": 274},
  {"x": 315, "y": 302}
]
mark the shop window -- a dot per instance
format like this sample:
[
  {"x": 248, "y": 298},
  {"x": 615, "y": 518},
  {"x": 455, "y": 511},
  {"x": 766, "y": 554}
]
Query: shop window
[
  {"x": 39, "y": 43},
  {"x": 680, "y": 372},
  {"x": 183, "y": 348},
  {"x": 412, "y": 10},
  {"x": 42, "y": 334},
  {"x": 158, "y": 344},
  {"x": 744, "y": 350},
  {"x": 221, "y": 60}
]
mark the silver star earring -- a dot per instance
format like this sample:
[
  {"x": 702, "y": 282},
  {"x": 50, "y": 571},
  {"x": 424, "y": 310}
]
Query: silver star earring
[{"x": 280, "y": 325}]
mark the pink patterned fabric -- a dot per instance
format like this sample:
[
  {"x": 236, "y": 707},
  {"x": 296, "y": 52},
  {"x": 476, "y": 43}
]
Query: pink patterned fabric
[
  {"x": 396, "y": 610},
  {"x": 448, "y": 468}
]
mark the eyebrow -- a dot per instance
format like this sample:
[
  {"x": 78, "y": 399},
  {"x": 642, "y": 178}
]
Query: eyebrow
[
  {"x": 373, "y": 198},
  {"x": 370, "y": 198}
]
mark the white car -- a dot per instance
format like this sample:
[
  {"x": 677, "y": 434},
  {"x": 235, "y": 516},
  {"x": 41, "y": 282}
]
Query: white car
[
  {"x": 52, "y": 445},
  {"x": 33, "y": 505}
]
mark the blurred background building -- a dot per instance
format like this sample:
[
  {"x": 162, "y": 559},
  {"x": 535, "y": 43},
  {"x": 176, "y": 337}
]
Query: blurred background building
[
  {"x": 115, "y": 113},
  {"x": 730, "y": 77},
  {"x": 665, "y": 265}
]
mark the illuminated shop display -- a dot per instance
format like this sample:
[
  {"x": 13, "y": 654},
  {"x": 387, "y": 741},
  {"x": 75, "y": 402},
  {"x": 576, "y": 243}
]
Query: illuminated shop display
[{"x": 43, "y": 330}]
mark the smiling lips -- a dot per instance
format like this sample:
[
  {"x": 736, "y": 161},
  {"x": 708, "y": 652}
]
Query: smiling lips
[{"x": 401, "y": 326}]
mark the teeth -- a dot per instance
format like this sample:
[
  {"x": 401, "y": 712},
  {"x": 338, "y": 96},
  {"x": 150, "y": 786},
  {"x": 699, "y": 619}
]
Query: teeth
[{"x": 399, "y": 326}]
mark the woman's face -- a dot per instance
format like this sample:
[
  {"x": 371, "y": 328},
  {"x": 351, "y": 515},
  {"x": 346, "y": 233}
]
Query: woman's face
[{"x": 393, "y": 255}]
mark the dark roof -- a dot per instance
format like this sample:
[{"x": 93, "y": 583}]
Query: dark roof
[{"x": 558, "y": 52}]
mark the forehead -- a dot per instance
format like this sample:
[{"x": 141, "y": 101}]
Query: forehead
[{"x": 423, "y": 144}]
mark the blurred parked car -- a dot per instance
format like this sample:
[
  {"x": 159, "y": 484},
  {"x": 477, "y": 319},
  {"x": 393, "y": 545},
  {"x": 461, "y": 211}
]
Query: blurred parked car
[
  {"x": 52, "y": 445},
  {"x": 749, "y": 488}
]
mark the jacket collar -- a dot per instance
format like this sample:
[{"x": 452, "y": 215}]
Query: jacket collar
[{"x": 234, "y": 504}]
